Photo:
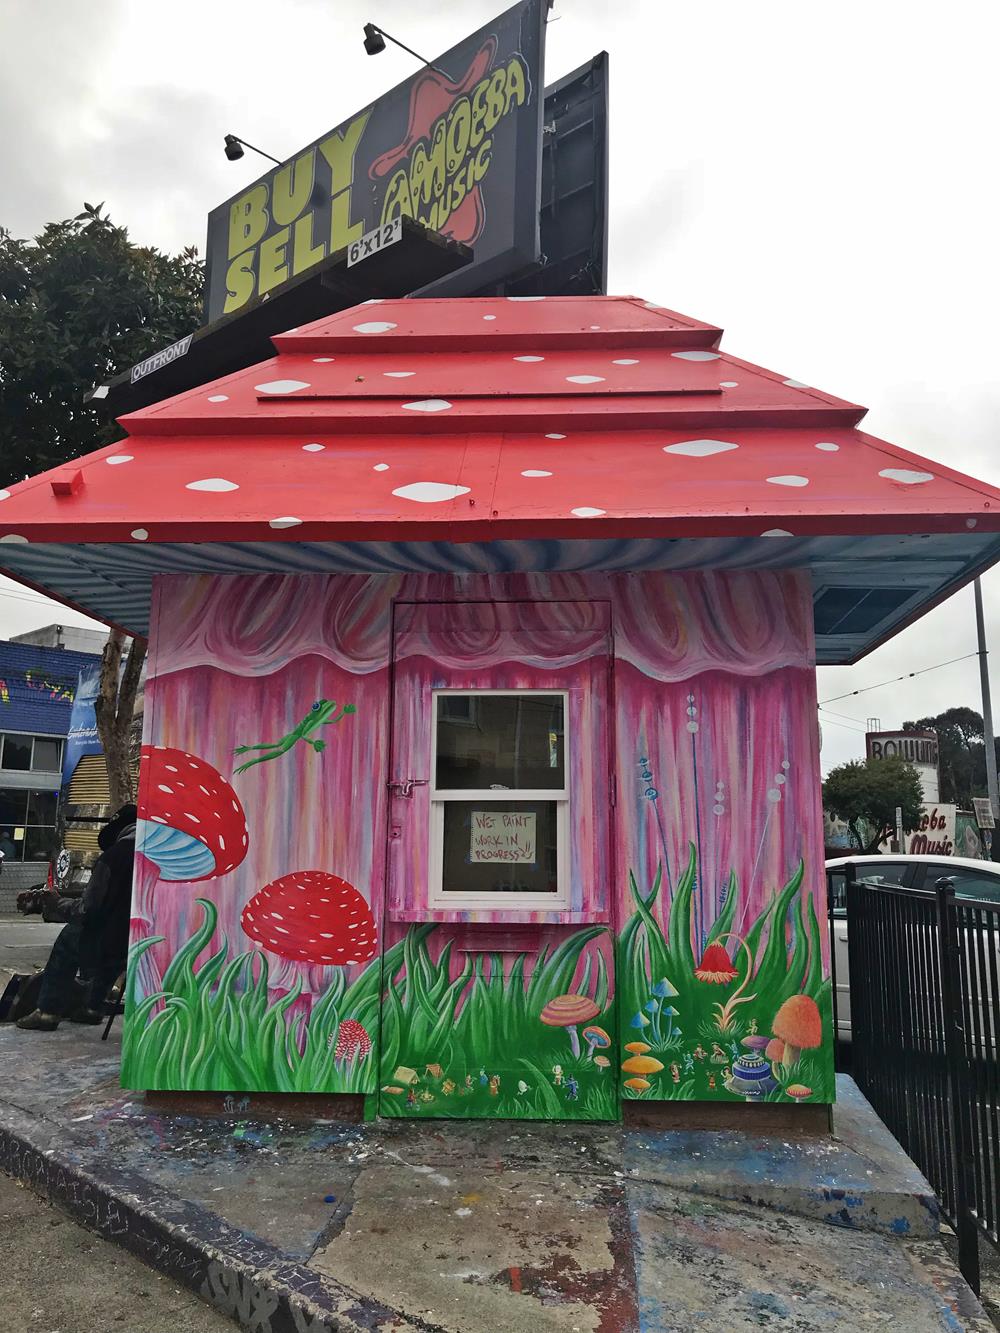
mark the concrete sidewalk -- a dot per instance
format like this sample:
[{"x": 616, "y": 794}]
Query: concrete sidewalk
[{"x": 470, "y": 1227}]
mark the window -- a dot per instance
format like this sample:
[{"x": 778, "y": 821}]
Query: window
[
  {"x": 23, "y": 754},
  {"x": 17, "y": 753},
  {"x": 882, "y": 872},
  {"x": 836, "y": 889},
  {"x": 48, "y": 754},
  {"x": 499, "y": 800},
  {"x": 981, "y": 886}
]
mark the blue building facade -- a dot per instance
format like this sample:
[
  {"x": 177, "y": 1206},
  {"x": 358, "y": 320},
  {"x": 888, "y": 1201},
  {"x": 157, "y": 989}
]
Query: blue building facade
[{"x": 37, "y": 688}]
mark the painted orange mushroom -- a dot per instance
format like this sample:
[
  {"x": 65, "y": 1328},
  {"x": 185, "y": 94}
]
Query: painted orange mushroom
[
  {"x": 799, "y": 1025},
  {"x": 568, "y": 1011}
]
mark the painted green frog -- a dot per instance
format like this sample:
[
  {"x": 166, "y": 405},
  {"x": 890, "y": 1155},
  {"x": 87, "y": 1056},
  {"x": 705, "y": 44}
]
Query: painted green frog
[{"x": 322, "y": 714}]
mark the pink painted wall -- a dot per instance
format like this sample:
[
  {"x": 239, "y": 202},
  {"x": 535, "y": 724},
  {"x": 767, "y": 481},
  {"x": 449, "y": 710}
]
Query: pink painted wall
[{"x": 713, "y": 689}]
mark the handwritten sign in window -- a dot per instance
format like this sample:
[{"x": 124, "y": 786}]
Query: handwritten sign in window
[{"x": 498, "y": 836}]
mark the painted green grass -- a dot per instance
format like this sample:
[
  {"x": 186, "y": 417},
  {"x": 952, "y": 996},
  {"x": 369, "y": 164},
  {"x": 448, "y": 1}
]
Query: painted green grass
[
  {"x": 646, "y": 953},
  {"x": 211, "y": 1027},
  {"x": 485, "y": 1021}
]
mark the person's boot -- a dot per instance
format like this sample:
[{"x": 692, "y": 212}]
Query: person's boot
[
  {"x": 86, "y": 1016},
  {"x": 36, "y": 1021}
]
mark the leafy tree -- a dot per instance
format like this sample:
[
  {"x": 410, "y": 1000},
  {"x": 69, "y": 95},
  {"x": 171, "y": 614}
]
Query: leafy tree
[
  {"x": 961, "y": 753},
  {"x": 79, "y": 304},
  {"x": 867, "y": 792}
]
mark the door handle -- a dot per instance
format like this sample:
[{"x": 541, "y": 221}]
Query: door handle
[{"x": 404, "y": 786}]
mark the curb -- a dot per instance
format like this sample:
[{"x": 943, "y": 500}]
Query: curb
[{"x": 240, "y": 1275}]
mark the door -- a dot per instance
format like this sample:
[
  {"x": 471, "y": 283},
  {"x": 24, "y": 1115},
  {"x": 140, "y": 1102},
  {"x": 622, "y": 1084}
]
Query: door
[{"x": 498, "y": 985}]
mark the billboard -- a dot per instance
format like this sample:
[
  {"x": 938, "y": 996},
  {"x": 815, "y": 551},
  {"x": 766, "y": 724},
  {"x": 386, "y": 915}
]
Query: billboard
[
  {"x": 82, "y": 738},
  {"x": 457, "y": 146},
  {"x": 919, "y": 748}
]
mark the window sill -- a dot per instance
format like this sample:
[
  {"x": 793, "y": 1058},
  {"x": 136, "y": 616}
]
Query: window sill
[{"x": 494, "y": 916}]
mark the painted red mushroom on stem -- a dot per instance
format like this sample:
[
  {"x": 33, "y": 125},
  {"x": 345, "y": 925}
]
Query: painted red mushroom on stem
[{"x": 311, "y": 917}]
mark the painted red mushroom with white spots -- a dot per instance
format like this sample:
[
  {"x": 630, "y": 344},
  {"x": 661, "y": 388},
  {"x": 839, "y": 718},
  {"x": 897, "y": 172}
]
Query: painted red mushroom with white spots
[
  {"x": 191, "y": 822},
  {"x": 311, "y": 916}
]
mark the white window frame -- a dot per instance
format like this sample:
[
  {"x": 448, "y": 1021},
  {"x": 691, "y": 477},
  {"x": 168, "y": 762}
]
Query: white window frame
[{"x": 438, "y": 898}]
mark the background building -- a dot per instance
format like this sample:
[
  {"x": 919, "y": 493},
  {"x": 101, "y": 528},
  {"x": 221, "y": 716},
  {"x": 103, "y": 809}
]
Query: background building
[{"x": 38, "y": 683}]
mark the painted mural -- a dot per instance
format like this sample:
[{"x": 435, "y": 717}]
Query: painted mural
[{"x": 292, "y": 952}]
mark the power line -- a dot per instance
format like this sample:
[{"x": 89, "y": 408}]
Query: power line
[
  {"x": 858, "y": 731},
  {"x": 909, "y": 676}
]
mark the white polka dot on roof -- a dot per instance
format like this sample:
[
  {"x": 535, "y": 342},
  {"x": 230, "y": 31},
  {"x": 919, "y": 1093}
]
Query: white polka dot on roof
[
  {"x": 970, "y": 522},
  {"x": 525, "y": 298},
  {"x": 322, "y": 360},
  {"x": 314, "y": 448},
  {"x": 626, "y": 361},
  {"x": 286, "y": 522},
  {"x": 588, "y": 511},
  {"x": 374, "y": 326},
  {"x": 119, "y": 458},
  {"x": 14, "y": 539},
  {"x": 430, "y": 492},
  {"x": 381, "y": 467},
  {"x": 795, "y": 384},
  {"x": 529, "y": 358},
  {"x": 827, "y": 447},
  {"x": 212, "y": 484},
  {"x": 140, "y": 534},
  {"x": 4, "y": 495},
  {"x": 728, "y": 384},
  {"x": 281, "y": 386},
  {"x": 398, "y": 374},
  {"x": 776, "y": 532},
  {"x": 788, "y": 479},
  {"x": 906, "y": 476},
  {"x": 696, "y": 355},
  {"x": 700, "y": 448},
  {"x": 218, "y": 397},
  {"x": 585, "y": 379},
  {"x": 489, "y": 317},
  {"x": 535, "y": 472},
  {"x": 554, "y": 435},
  {"x": 428, "y": 405}
]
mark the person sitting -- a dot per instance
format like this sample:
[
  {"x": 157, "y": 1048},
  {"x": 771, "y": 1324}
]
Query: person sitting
[{"x": 94, "y": 941}]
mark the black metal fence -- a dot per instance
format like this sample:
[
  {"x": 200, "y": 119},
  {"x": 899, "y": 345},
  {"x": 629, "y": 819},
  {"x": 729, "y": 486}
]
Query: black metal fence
[{"x": 925, "y": 1018}]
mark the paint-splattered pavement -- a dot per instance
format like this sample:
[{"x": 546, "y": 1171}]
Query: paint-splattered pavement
[{"x": 468, "y": 1227}]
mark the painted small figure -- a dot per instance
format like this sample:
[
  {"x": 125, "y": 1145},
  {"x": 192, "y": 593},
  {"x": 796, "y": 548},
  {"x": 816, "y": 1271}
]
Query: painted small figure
[
  {"x": 522, "y": 1087},
  {"x": 557, "y": 1075},
  {"x": 411, "y": 1096},
  {"x": 483, "y": 1078},
  {"x": 719, "y": 1056},
  {"x": 468, "y": 1084},
  {"x": 321, "y": 714},
  {"x": 711, "y": 1081},
  {"x": 572, "y": 1089},
  {"x": 735, "y": 1050},
  {"x": 699, "y": 1052},
  {"x": 448, "y": 1087},
  {"x": 675, "y": 1072},
  {"x": 494, "y": 1085},
  {"x": 688, "y": 1064}
]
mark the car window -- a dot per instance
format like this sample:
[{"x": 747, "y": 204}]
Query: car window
[
  {"x": 881, "y": 872},
  {"x": 980, "y": 885},
  {"x": 836, "y": 888}
]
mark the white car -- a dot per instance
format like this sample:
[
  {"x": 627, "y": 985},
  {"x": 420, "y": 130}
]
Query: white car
[{"x": 978, "y": 880}]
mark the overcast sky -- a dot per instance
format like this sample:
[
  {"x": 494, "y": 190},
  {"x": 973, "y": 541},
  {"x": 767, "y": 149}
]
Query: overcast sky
[{"x": 821, "y": 180}]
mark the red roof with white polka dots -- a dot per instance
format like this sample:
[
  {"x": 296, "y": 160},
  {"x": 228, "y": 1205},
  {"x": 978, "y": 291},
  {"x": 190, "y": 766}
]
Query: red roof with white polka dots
[{"x": 481, "y": 419}]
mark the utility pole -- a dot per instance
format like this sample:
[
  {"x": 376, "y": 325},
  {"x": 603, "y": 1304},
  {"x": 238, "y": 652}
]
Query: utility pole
[{"x": 984, "y": 680}]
